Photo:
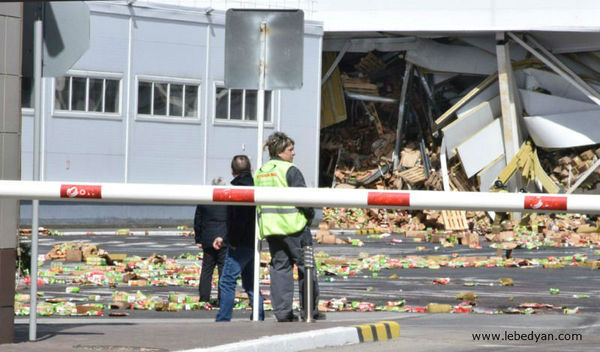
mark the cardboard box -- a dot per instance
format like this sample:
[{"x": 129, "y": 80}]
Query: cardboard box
[
  {"x": 74, "y": 255},
  {"x": 417, "y": 234},
  {"x": 437, "y": 237},
  {"x": 469, "y": 238},
  {"x": 117, "y": 256},
  {"x": 95, "y": 260},
  {"x": 137, "y": 283},
  {"x": 504, "y": 236},
  {"x": 83, "y": 309},
  {"x": 573, "y": 238}
]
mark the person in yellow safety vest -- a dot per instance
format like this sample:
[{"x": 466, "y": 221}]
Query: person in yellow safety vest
[{"x": 286, "y": 230}]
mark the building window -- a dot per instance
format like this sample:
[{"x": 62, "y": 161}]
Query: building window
[
  {"x": 240, "y": 104},
  {"x": 26, "y": 92},
  {"x": 168, "y": 99},
  {"x": 88, "y": 94}
]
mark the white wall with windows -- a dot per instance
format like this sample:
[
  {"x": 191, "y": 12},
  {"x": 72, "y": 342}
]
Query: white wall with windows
[{"x": 147, "y": 104}]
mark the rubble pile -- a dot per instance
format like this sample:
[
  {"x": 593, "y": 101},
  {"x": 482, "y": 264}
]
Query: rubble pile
[
  {"x": 567, "y": 166},
  {"x": 79, "y": 251},
  {"x": 333, "y": 268},
  {"x": 360, "y": 151},
  {"x": 392, "y": 114},
  {"x": 547, "y": 230}
]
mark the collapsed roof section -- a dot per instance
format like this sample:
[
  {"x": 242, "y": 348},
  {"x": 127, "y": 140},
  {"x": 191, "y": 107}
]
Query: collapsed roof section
[{"x": 482, "y": 97}]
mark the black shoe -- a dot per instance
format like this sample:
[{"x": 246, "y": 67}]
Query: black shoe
[
  {"x": 293, "y": 318},
  {"x": 320, "y": 316},
  {"x": 316, "y": 316}
]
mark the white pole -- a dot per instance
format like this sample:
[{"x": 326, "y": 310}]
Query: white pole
[
  {"x": 37, "y": 78},
  {"x": 260, "y": 112}
]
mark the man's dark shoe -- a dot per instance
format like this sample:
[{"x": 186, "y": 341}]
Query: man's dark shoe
[
  {"x": 316, "y": 316},
  {"x": 293, "y": 318},
  {"x": 319, "y": 316}
]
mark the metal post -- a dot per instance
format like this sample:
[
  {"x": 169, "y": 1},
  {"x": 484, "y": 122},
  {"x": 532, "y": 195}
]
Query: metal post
[
  {"x": 37, "y": 77},
  {"x": 510, "y": 116},
  {"x": 308, "y": 283},
  {"x": 260, "y": 112},
  {"x": 401, "y": 109}
]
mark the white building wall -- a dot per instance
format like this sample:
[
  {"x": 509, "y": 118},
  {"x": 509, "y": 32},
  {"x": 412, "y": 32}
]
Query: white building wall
[
  {"x": 158, "y": 44},
  {"x": 427, "y": 15}
]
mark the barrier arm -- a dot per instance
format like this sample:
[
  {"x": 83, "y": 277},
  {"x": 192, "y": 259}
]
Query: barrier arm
[{"x": 307, "y": 197}]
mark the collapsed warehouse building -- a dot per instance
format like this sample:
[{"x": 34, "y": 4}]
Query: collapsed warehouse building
[{"x": 460, "y": 112}]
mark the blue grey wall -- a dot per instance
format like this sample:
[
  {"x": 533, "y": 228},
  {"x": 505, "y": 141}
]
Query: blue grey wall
[{"x": 143, "y": 42}]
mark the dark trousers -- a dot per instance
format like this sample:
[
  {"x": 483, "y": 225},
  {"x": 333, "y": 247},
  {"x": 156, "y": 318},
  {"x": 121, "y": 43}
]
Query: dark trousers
[
  {"x": 210, "y": 258},
  {"x": 285, "y": 252}
]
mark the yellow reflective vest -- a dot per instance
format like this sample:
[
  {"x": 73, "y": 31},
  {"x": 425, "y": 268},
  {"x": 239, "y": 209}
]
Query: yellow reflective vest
[{"x": 277, "y": 219}]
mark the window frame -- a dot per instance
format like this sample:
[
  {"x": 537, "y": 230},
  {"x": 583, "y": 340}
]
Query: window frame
[
  {"x": 243, "y": 123},
  {"x": 87, "y": 75},
  {"x": 168, "y": 80}
]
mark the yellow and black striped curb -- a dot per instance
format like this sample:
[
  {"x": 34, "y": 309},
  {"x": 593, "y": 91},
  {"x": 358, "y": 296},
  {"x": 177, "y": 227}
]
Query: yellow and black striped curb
[{"x": 381, "y": 331}]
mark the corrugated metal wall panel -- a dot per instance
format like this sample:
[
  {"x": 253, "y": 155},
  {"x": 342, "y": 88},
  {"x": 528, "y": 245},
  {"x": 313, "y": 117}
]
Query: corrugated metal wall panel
[{"x": 95, "y": 150}]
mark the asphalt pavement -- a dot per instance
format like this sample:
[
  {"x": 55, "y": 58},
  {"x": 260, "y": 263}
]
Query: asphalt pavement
[
  {"x": 145, "y": 330},
  {"x": 418, "y": 332}
]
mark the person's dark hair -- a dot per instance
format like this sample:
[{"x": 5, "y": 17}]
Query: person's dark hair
[
  {"x": 239, "y": 164},
  {"x": 277, "y": 142}
]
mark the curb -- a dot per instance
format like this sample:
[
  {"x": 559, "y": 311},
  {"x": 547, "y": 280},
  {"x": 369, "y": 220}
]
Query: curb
[
  {"x": 384, "y": 330},
  {"x": 381, "y": 331}
]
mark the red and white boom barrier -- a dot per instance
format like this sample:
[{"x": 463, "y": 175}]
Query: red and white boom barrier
[{"x": 311, "y": 197}]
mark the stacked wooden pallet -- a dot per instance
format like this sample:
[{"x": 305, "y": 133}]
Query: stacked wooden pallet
[{"x": 359, "y": 85}]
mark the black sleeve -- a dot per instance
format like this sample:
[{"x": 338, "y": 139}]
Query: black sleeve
[
  {"x": 295, "y": 178},
  {"x": 230, "y": 222},
  {"x": 197, "y": 224}
]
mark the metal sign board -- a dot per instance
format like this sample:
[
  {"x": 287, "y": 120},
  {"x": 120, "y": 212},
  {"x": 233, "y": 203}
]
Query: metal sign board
[
  {"x": 66, "y": 36},
  {"x": 284, "y": 49}
]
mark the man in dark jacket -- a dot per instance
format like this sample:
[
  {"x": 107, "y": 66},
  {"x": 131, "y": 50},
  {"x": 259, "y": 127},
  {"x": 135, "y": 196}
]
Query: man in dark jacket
[
  {"x": 210, "y": 222},
  {"x": 240, "y": 245}
]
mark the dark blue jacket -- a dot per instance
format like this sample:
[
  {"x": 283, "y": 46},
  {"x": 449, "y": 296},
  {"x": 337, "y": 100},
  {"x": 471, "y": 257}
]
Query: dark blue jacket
[
  {"x": 210, "y": 222},
  {"x": 241, "y": 218}
]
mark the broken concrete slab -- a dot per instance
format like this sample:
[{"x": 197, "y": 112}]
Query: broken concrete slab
[
  {"x": 489, "y": 174},
  {"x": 451, "y": 58},
  {"x": 469, "y": 124},
  {"x": 564, "y": 130},
  {"x": 536, "y": 103},
  {"x": 482, "y": 148},
  {"x": 553, "y": 83}
]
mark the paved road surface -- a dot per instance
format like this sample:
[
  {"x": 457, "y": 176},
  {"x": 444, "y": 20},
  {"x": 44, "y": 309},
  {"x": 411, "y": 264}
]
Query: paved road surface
[{"x": 415, "y": 285}]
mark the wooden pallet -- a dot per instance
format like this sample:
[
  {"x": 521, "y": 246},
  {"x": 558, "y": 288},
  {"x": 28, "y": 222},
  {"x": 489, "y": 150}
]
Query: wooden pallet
[
  {"x": 413, "y": 175},
  {"x": 359, "y": 85},
  {"x": 455, "y": 220},
  {"x": 434, "y": 181},
  {"x": 370, "y": 63}
]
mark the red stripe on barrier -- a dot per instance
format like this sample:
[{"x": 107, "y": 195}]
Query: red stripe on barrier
[
  {"x": 388, "y": 198},
  {"x": 545, "y": 203},
  {"x": 80, "y": 191},
  {"x": 233, "y": 195}
]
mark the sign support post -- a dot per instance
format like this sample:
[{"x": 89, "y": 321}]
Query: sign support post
[
  {"x": 35, "y": 204},
  {"x": 263, "y": 51},
  {"x": 260, "y": 117}
]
